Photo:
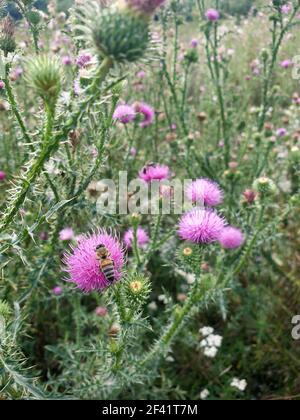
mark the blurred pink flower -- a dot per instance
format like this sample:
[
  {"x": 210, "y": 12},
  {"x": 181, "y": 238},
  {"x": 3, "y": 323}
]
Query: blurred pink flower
[
  {"x": 124, "y": 113},
  {"x": 66, "y": 234},
  {"x": 231, "y": 238},
  {"x": 286, "y": 64},
  {"x": 147, "y": 111},
  {"x": 141, "y": 234},
  {"x": 205, "y": 192},
  {"x": 57, "y": 290},
  {"x": 2, "y": 176},
  {"x": 67, "y": 60},
  {"x": 154, "y": 172},
  {"x": 83, "y": 59},
  {"x": 281, "y": 132},
  {"x": 212, "y": 15}
]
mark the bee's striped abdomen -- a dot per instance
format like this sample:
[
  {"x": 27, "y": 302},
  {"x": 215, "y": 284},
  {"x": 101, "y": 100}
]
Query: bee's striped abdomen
[{"x": 109, "y": 273}]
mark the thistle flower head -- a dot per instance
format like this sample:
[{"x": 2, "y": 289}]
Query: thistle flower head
[
  {"x": 83, "y": 267},
  {"x": 2, "y": 176},
  {"x": 141, "y": 235},
  {"x": 231, "y": 238},
  {"x": 205, "y": 192},
  {"x": 201, "y": 226},
  {"x": 147, "y": 111},
  {"x": 212, "y": 15},
  {"x": 154, "y": 172},
  {"x": 137, "y": 289},
  {"x": 44, "y": 76},
  {"x": 124, "y": 113}
]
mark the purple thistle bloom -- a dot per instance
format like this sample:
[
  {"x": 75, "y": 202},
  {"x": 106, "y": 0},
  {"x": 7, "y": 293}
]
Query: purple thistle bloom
[
  {"x": 231, "y": 238},
  {"x": 83, "y": 59},
  {"x": 281, "y": 132},
  {"x": 57, "y": 290},
  {"x": 101, "y": 311},
  {"x": 124, "y": 113},
  {"x": 144, "y": 6},
  {"x": 66, "y": 234},
  {"x": 212, "y": 15},
  {"x": 67, "y": 60},
  {"x": 286, "y": 64},
  {"x": 84, "y": 268},
  {"x": 147, "y": 111},
  {"x": 154, "y": 173},
  {"x": 141, "y": 234},
  {"x": 201, "y": 226},
  {"x": 194, "y": 43},
  {"x": 2, "y": 176},
  {"x": 205, "y": 192},
  {"x": 286, "y": 8},
  {"x": 2, "y": 85}
]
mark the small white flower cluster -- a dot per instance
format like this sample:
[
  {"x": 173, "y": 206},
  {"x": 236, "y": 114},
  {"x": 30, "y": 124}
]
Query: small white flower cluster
[
  {"x": 204, "y": 394},
  {"x": 240, "y": 384},
  {"x": 211, "y": 343}
]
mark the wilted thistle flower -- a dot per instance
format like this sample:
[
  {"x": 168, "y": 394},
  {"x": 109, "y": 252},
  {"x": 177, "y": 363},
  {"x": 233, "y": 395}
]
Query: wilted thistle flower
[
  {"x": 44, "y": 76},
  {"x": 66, "y": 234},
  {"x": 206, "y": 192},
  {"x": 231, "y": 238},
  {"x": 7, "y": 39},
  {"x": 141, "y": 236},
  {"x": 82, "y": 264},
  {"x": 201, "y": 226},
  {"x": 154, "y": 172}
]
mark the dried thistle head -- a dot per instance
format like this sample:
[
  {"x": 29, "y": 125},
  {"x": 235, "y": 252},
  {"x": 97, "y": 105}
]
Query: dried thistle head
[{"x": 45, "y": 77}]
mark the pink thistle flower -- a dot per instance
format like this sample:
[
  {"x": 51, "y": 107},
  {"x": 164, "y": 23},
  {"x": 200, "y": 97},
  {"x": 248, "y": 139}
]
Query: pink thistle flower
[
  {"x": 231, "y": 238},
  {"x": 281, "y": 132},
  {"x": 84, "y": 268},
  {"x": 144, "y": 6},
  {"x": 147, "y": 111},
  {"x": 57, "y": 290},
  {"x": 2, "y": 85},
  {"x": 194, "y": 43},
  {"x": 101, "y": 311},
  {"x": 212, "y": 15},
  {"x": 154, "y": 172},
  {"x": 124, "y": 113},
  {"x": 205, "y": 192},
  {"x": 201, "y": 226},
  {"x": 66, "y": 234},
  {"x": 67, "y": 60},
  {"x": 141, "y": 74},
  {"x": 286, "y": 64},
  {"x": 83, "y": 60},
  {"x": 141, "y": 234},
  {"x": 2, "y": 176},
  {"x": 286, "y": 8}
]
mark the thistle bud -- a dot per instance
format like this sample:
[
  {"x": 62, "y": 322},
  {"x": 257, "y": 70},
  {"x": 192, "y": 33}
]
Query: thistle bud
[
  {"x": 295, "y": 153},
  {"x": 137, "y": 289},
  {"x": 44, "y": 76},
  {"x": 265, "y": 186},
  {"x": 7, "y": 39}
]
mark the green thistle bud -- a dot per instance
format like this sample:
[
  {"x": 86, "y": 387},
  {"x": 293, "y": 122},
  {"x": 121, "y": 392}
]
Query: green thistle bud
[
  {"x": 191, "y": 56},
  {"x": 44, "y": 76},
  {"x": 7, "y": 36},
  {"x": 190, "y": 256},
  {"x": 34, "y": 17},
  {"x": 265, "y": 186},
  {"x": 137, "y": 289},
  {"x": 120, "y": 35}
]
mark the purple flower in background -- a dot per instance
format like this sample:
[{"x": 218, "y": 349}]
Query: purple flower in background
[
  {"x": 286, "y": 64},
  {"x": 154, "y": 172},
  {"x": 205, "y": 192},
  {"x": 83, "y": 59},
  {"x": 101, "y": 311},
  {"x": 124, "y": 113},
  {"x": 83, "y": 267},
  {"x": 67, "y": 60},
  {"x": 141, "y": 74},
  {"x": 231, "y": 238},
  {"x": 141, "y": 234},
  {"x": 212, "y": 15},
  {"x": 2, "y": 85},
  {"x": 147, "y": 111},
  {"x": 57, "y": 290},
  {"x": 194, "y": 43},
  {"x": 281, "y": 132},
  {"x": 66, "y": 234},
  {"x": 2, "y": 176},
  {"x": 286, "y": 8},
  {"x": 201, "y": 226}
]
